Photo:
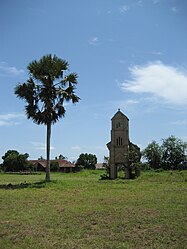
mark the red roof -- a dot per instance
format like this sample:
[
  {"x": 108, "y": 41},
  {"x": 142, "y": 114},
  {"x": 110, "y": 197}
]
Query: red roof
[{"x": 61, "y": 162}]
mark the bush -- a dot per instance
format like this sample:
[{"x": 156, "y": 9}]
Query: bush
[{"x": 144, "y": 166}]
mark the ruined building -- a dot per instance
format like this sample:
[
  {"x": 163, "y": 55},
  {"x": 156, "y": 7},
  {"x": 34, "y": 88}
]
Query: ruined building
[{"x": 120, "y": 145}]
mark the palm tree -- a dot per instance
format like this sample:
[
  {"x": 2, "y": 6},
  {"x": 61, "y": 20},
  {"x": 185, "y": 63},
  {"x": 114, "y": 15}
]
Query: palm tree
[{"x": 45, "y": 93}]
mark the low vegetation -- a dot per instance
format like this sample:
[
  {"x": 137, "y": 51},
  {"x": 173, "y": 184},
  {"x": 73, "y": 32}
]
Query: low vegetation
[{"x": 78, "y": 210}]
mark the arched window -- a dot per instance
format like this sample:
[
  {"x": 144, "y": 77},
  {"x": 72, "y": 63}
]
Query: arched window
[{"x": 119, "y": 141}]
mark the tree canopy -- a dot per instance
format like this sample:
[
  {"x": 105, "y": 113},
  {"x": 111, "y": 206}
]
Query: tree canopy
[
  {"x": 14, "y": 161},
  {"x": 171, "y": 154},
  {"x": 174, "y": 154},
  {"x": 153, "y": 154},
  {"x": 86, "y": 161}
]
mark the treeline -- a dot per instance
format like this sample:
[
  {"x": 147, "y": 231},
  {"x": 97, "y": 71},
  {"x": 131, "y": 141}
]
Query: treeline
[
  {"x": 170, "y": 155},
  {"x": 13, "y": 161}
]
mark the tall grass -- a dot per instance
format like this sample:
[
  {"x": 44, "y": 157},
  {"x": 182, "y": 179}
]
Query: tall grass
[{"x": 77, "y": 210}]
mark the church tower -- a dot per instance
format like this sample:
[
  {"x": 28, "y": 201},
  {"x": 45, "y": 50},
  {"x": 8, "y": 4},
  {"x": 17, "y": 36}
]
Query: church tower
[{"x": 119, "y": 145}]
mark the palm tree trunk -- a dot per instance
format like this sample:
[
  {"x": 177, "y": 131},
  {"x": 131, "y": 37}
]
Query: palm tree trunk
[{"x": 47, "y": 178}]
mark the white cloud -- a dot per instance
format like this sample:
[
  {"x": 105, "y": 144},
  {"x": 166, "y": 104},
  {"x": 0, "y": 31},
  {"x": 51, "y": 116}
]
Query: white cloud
[
  {"x": 179, "y": 122},
  {"x": 10, "y": 71},
  {"x": 124, "y": 104},
  {"x": 10, "y": 119},
  {"x": 76, "y": 148},
  {"x": 161, "y": 81},
  {"x": 132, "y": 102},
  {"x": 9, "y": 116},
  {"x": 124, "y": 9},
  {"x": 41, "y": 146},
  {"x": 157, "y": 53},
  {"x": 94, "y": 41}
]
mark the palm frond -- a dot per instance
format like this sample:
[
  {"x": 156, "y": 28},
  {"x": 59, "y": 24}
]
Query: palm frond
[
  {"x": 47, "y": 67},
  {"x": 44, "y": 97},
  {"x": 72, "y": 78}
]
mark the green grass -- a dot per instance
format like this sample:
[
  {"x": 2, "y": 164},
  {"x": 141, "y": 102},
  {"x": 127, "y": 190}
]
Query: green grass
[{"x": 77, "y": 210}]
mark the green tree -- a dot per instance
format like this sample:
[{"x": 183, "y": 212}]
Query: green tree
[
  {"x": 153, "y": 153},
  {"x": 134, "y": 155},
  {"x": 14, "y": 161},
  {"x": 45, "y": 93},
  {"x": 41, "y": 158},
  {"x": 174, "y": 154},
  {"x": 60, "y": 157},
  {"x": 54, "y": 166},
  {"x": 132, "y": 161},
  {"x": 86, "y": 161}
]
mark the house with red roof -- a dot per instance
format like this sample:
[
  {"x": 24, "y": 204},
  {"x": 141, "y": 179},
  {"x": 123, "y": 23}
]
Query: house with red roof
[{"x": 61, "y": 165}]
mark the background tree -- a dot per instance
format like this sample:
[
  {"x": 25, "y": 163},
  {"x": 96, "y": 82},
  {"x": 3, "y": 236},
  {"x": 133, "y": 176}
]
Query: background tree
[
  {"x": 45, "y": 92},
  {"x": 60, "y": 157},
  {"x": 153, "y": 154},
  {"x": 86, "y": 161},
  {"x": 54, "y": 166},
  {"x": 133, "y": 162},
  {"x": 41, "y": 158},
  {"x": 134, "y": 154},
  {"x": 14, "y": 161},
  {"x": 174, "y": 153}
]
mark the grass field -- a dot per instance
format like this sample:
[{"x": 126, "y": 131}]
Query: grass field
[{"x": 77, "y": 210}]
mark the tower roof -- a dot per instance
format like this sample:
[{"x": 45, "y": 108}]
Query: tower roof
[{"x": 119, "y": 114}]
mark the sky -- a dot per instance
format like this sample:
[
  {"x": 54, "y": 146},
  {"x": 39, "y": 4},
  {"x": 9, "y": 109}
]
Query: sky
[{"x": 128, "y": 54}]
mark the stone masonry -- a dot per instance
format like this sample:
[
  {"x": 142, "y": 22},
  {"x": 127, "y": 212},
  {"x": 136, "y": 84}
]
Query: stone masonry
[{"x": 119, "y": 144}]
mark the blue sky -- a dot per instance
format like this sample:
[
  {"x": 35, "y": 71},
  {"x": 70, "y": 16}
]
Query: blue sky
[{"x": 130, "y": 55}]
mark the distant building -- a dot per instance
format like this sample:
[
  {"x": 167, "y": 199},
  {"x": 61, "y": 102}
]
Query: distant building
[
  {"x": 99, "y": 166},
  {"x": 119, "y": 144},
  {"x": 62, "y": 165}
]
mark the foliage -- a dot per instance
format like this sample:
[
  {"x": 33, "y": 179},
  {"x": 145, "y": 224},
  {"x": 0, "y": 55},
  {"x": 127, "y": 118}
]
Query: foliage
[
  {"x": 86, "y": 161},
  {"x": 153, "y": 154},
  {"x": 170, "y": 155},
  {"x": 14, "y": 161},
  {"x": 41, "y": 158},
  {"x": 45, "y": 93},
  {"x": 132, "y": 166},
  {"x": 144, "y": 166},
  {"x": 1, "y": 167},
  {"x": 60, "y": 157},
  {"x": 134, "y": 154},
  {"x": 174, "y": 153},
  {"x": 54, "y": 166}
]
